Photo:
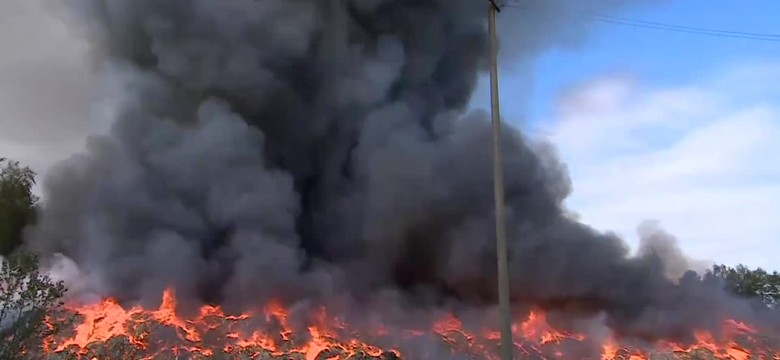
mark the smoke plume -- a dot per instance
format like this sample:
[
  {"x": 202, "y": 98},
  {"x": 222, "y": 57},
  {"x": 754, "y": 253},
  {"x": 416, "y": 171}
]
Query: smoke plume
[{"x": 308, "y": 149}]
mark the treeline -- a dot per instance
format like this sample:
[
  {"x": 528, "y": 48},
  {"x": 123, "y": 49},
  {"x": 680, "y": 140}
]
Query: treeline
[
  {"x": 27, "y": 295},
  {"x": 750, "y": 283}
]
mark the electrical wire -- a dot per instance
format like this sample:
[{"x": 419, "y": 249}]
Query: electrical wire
[
  {"x": 616, "y": 20},
  {"x": 692, "y": 28}
]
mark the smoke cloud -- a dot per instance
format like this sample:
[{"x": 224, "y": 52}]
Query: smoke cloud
[{"x": 311, "y": 149}]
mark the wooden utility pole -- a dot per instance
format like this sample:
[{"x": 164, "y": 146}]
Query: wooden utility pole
[{"x": 498, "y": 188}]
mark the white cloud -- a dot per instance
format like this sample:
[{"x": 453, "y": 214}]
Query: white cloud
[{"x": 704, "y": 160}]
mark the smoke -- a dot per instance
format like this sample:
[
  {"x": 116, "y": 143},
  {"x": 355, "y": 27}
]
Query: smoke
[{"x": 312, "y": 149}]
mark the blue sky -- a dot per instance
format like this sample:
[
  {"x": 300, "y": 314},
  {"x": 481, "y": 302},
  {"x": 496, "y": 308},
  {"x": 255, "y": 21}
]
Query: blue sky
[
  {"x": 656, "y": 56},
  {"x": 710, "y": 101}
]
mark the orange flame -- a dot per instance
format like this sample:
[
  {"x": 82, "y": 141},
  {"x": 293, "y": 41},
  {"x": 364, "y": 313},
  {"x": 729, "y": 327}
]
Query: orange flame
[{"x": 328, "y": 337}]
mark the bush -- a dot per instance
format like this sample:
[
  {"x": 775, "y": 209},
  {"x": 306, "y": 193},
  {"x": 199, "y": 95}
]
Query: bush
[{"x": 26, "y": 298}]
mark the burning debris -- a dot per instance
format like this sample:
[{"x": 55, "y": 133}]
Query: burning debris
[
  {"x": 108, "y": 331},
  {"x": 308, "y": 151}
]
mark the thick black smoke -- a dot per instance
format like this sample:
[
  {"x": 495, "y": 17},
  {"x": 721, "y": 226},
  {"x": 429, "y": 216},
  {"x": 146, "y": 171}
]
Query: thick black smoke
[{"x": 306, "y": 148}]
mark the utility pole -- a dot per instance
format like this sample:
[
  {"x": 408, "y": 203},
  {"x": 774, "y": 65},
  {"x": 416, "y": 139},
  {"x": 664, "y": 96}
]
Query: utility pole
[{"x": 498, "y": 188}]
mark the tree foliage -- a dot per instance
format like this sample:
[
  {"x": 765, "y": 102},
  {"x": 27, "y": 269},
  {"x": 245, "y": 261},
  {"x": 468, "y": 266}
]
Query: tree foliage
[
  {"x": 17, "y": 203},
  {"x": 26, "y": 295},
  {"x": 757, "y": 283},
  {"x": 26, "y": 298}
]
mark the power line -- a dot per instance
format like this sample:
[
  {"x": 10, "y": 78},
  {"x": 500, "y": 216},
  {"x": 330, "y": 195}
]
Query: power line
[
  {"x": 714, "y": 33},
  {"x": 691, "y": 28},
  {"x": 616, "y": 20}
]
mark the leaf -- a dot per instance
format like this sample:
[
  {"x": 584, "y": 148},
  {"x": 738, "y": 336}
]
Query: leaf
[{"x": 27, "y": 298}]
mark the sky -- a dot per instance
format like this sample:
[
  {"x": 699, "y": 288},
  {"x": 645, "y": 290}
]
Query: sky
[
  {"x": 669, "y": 127},
  {"x": 46, "y": 80},
  {"x": 661, "y": 126}
]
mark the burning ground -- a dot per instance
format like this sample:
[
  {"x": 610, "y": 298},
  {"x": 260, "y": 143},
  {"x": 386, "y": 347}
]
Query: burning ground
[
  {"x": 319, "y": 156},
  {"x": 107, "y": 330}
]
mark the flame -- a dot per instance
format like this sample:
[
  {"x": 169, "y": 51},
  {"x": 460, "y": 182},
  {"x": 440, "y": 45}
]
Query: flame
[
  {"x": 108, "y": 320},
  {"x": 148, "y": 334}
]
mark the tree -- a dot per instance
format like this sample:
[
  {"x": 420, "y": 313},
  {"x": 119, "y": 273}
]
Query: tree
[
  {"x": 745, "y": 282},
  {"x": 17, "y": 203},
  {"x": 27, "y": 297}
]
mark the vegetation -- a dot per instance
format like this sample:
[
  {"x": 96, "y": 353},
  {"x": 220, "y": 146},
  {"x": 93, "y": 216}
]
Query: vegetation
[
  {"x": 745, "y": 282},
  {"x": 26, "y": 295},
  {"x": 26, "y": 298},
  {"x": 17, "y": 204}
]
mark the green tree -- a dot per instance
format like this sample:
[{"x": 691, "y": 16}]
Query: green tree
[
  {"x": 757, "y": 283},
  {"x": 17, "y": 203},
  {"x": 27, "y": 297}
]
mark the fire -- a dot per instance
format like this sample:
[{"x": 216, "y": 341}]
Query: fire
[
  {"x": 109, "y": 321},
  {"x": 161, "y": 333}
]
